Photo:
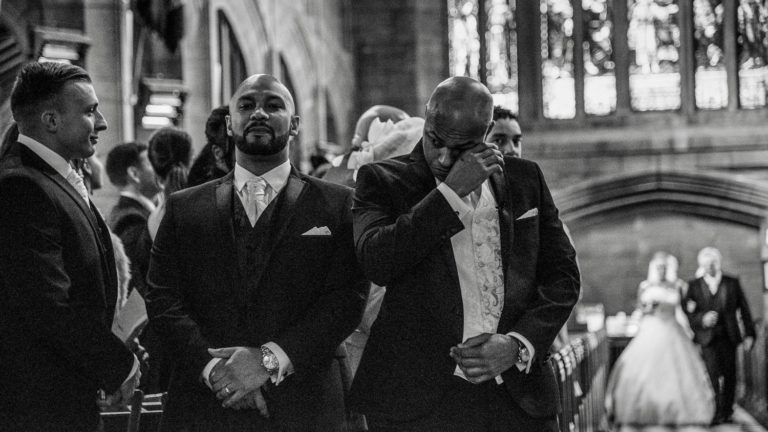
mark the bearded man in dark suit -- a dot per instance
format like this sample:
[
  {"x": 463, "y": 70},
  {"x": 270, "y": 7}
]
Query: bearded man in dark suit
[
  {"x": 480, "y": 278},
  {"x": 713, "y": 303},
  {"x": 254, "y": 283},
  {"x": 57, "y": 267}
]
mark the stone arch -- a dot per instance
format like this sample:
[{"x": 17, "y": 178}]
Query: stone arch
[
  {"x": 249, "y": 28},
  {"x": 619, "y": 221},
  {"x": 698, "y": 194}
]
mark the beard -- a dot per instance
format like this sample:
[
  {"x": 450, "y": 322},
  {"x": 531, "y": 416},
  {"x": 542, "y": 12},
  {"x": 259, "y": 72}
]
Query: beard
[{"x": 261, "y": 145}]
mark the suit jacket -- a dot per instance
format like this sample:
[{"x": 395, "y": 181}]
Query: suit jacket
[
  {"x": 59, "y": 286},
  {"x": 309, "y": 297},
  {"x": 727, "y": 300},
  {"x": 403, "y": 226},
  {"x": 128, "y": 220}
]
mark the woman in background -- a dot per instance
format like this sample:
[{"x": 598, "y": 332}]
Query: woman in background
[
  {"x": 660, "y": 378},
  {"x": 170, "y": 153}
]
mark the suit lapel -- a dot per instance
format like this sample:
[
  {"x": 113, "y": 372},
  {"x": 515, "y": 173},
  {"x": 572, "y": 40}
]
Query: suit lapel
[
  {"x": 282, "y": 218},
  {"x": 449, "y": 301},
  {"x": 224, "y": 216}
]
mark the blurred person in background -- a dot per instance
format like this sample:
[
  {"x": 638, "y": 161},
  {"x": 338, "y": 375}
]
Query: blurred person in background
[
  {"x": 170, "y": 152},
  {"x": 506, "y": 132},
  {"x": 660, "y": 379},
  {"x": 721, "y": 321},
  {"x": 217, "y": 158}
]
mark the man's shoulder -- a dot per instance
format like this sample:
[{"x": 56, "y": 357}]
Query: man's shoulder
[{"x": 330, "y": 189}]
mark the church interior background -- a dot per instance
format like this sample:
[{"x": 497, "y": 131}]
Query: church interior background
[{"x": 648, "y": 117}]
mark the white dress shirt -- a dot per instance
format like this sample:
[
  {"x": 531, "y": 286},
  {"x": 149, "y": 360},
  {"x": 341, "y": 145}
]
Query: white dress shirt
[
  {"x": 64, "y": 169},
  {"x": 477, "y": 252},
  {"x": 276, "y": 179},
  {"x": 713, "y": 282}
]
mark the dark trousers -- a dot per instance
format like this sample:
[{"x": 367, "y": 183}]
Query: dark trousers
[
  {"x": 469, "y": 407},
  {"x": 720, "y": 359}
]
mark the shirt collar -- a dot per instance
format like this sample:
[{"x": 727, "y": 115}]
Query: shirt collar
[
  {"x": 47, "y": 155},
  {"x": 144, "y": 201},
  {"x": 713, "y": 280},
  {"x": 276, "y": 178}
]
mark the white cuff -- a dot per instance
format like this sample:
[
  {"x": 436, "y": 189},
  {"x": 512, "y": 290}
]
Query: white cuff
[
  {"x": 285, "y": 368},
  {"x": 523, "y": 366},
  {"x": 207, "y": 371},
  {"x": 459, "y": 206},
  {"x": 134, "y": 368}
]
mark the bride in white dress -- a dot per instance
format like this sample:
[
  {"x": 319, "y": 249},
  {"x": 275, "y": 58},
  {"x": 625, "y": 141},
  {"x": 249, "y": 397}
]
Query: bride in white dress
[{"x": 660, "y": 378}]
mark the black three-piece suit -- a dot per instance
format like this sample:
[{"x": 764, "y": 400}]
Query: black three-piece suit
[
  {"x": 403, "y": 227},
  {"x": 215, "y": 281}
]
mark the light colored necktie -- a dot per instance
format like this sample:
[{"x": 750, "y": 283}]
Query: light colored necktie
[
  {"x": 77, "y": 182},
  {"x": 256, "y": 197}
]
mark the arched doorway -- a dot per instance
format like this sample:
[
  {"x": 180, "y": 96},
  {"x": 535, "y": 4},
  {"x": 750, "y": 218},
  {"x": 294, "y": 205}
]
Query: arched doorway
[{"x": 618, "y": 222}]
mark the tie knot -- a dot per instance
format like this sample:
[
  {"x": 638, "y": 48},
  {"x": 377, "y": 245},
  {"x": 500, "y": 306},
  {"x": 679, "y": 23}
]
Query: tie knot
[{"x": 257, "y": 186}]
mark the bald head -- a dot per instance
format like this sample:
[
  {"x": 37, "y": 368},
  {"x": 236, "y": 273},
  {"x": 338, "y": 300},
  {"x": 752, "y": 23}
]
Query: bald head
[
  {"x": 460, "y": 100},
  {"x": 264, "y": 81}
]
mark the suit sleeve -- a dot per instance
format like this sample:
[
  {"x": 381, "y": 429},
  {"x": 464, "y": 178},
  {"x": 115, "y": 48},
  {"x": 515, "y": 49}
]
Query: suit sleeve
[
  {"x": 557, "y": 278},
  {"x": 166, "y": 308},
  {"x": 336, "y": 312},
  {"x": 390, "y": 245},
  {"x": 135, "y": 237},
  {"x": 33, "y": 269},
  {"x": 694, "y": 316},
  {"x": 746, "y": 314}
]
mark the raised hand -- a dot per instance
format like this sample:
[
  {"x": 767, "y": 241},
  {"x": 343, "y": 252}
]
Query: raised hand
[
  {"x": 485, "y": 356},
  {"x": 240, "y": 374},
  {"x": 473, "y": 167}
]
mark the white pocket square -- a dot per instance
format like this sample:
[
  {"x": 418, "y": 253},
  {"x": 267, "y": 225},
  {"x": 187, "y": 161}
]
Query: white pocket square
[
  {"x": 530, "y": 213},
  {"x": 318, "y": 231}
]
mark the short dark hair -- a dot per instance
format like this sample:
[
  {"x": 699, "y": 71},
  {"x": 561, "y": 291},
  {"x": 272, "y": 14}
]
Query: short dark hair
[
  {"x": 121, "y": 158},
  {"x": 501, "y": 112},
  {"x": 39, "y": 84},
  {"x": 168, "y": 148}
]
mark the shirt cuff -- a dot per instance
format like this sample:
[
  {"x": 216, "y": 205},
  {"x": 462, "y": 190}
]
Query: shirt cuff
[
  {"x": 207, "y": 371},
  {"x": 134, "y": 368},
  {"x": 285, "y": 365},
  {"x": 459, "y": 206},
  {"x": 523, "y": 366}
]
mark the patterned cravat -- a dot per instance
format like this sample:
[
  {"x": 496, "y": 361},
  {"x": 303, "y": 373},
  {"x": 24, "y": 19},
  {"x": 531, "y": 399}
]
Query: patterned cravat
[
  {"x": 77, "y": 182},
  {"x": 256, "y": 197}
]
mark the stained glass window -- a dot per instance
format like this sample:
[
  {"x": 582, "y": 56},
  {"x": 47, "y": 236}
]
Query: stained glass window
[
  {"x": 753, "y": 53},
  {"x": 653, "y": 36},
  {"x": 464, "y": 40},
  {"x": 599, "y": 65},
  {"x": 558, "y": 84},
  {"x": 711, "y": 76},
  {"x": 501, "y": 50}
]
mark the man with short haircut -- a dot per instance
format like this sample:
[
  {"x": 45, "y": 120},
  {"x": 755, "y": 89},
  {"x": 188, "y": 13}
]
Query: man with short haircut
[
  {"x": 57, "y": 267},
  {"x": 506, "y": 132},
  {"x": 721, "y": 320},
  {"x": 480, "y": 278},
  {"x": 253, "y": 283},
  {"x": 129, "y": 169}
]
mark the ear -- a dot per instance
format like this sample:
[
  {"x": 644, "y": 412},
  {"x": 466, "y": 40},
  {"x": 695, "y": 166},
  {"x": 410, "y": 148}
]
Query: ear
[
  {"x": 228, "y": 119},
  {"x": 218, "y": 153},
  {"x": 294, "y": 126},
  {"x": 49, "y": 120},
  {"x": 133, "y": 174}
]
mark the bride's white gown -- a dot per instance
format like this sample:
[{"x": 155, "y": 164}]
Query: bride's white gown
[{"x": 660, "y": 378}]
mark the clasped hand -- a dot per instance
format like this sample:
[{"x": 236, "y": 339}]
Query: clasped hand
[
  {"x": 122, "y": 396},
  {"x": 237, "y": 378},
  {"x": 473, "y": 167},
  {"x": 485, "y": 356}
]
